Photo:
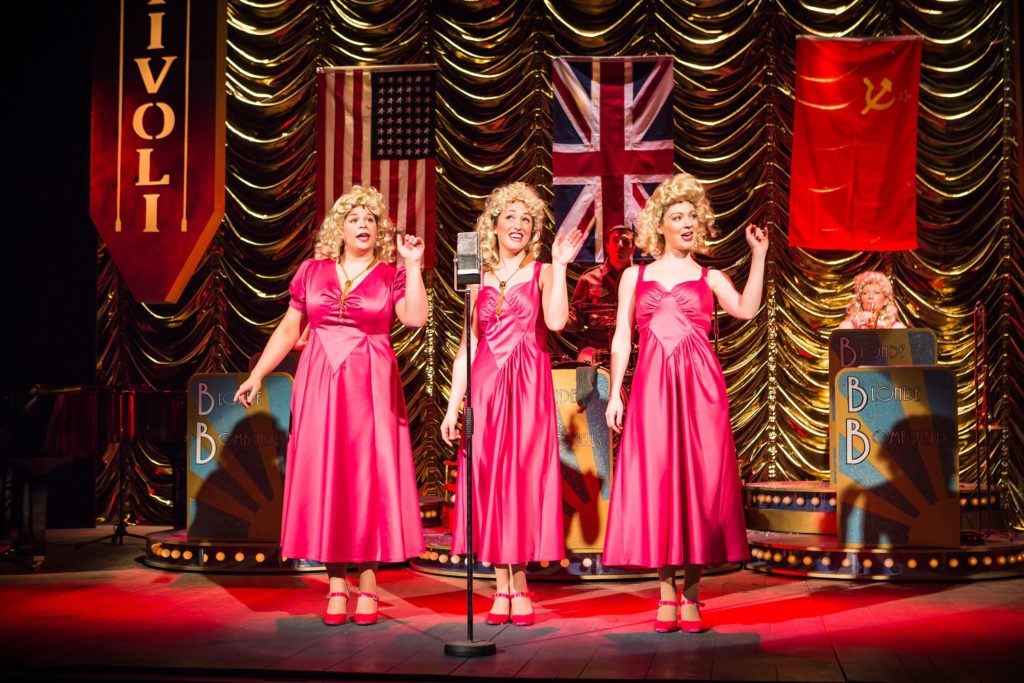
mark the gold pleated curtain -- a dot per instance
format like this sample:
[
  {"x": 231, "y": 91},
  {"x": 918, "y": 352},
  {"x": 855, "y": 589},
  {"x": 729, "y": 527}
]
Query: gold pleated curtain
[{"x": 733, "y": 109}]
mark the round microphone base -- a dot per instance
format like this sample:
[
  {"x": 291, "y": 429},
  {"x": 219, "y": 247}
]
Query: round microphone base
[{"x": 470, "y": 648}]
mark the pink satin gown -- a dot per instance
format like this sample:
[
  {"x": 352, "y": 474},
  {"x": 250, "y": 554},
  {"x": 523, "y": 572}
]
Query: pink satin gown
[
  {"x": 517, "y": 493},
  {"x": 676, "y": 492},
  {"x": 350, "y": 487}
]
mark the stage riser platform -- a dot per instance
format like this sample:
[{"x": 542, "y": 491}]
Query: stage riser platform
[
  {"x": 809, "y": 507},
  {"x": 792, "y": 531},
  {"x": 820, "y": 556},
  {"x": 174, "y": 551},
  {"x": 583, "y": 565}
]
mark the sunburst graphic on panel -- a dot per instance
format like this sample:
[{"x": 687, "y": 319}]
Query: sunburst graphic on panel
[
  {"x": 584, "y": 449},
  {"x": 897, "y": 457},
  {"x": 236, "y": 459}
]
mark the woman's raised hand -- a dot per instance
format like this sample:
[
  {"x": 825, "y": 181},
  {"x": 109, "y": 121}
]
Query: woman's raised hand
[
  {"x": 564, "y": 248},
  {"x": 757, "y": 238},
  {"x": 410, "y": 248}
]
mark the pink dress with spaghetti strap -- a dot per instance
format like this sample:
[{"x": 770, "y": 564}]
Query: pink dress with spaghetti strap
[
  {"x": 676, "y": 492},
  {"x": 517, "y": 499}
]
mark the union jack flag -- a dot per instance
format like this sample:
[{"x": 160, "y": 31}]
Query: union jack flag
[
  {"x": 375, "y": 126},
  {"x": 612, "y": 121}
]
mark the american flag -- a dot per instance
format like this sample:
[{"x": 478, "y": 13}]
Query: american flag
[
  {"x": 612, "y": 120},
  {"x": 375, "y": 126}
]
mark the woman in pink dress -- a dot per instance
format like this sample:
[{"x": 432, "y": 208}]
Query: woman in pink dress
[
  {"x": 676, "y": 492},
  {"x": 873, "y": 306},
  {"x": 517, "y": 502},
  {"x": 350, "y": 488}
]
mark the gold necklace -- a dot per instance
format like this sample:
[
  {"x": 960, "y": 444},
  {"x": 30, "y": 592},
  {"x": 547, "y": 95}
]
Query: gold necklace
[
  {"x": 348, "y": 282},
  {"x": 503, "y": 283}
]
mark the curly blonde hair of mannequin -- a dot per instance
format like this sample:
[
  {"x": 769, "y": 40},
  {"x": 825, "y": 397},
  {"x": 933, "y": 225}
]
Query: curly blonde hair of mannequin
[
  {"x": 887, "y": 314},
  {"x": 497, "y": 202},
  {"x": 330, "y": 240},
  {"x": 681, "y": 187}
]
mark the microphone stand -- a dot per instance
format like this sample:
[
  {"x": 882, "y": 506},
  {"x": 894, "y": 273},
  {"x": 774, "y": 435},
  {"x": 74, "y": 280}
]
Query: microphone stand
[{"x": 469, "y": 647}]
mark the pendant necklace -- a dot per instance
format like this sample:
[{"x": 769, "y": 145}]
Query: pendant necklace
[
  {"x": 348, "y": 283},
  {"x": 503, "y": 283}
]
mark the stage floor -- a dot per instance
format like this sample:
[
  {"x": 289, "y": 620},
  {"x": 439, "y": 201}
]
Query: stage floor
[{"x": 96, "y": 613}]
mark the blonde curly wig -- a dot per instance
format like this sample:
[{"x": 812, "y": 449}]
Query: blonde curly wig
[
  {"x": 498, "y": 200},
  {"x": 682, "y": 187},
  {"x": 887, "y": 314},
  {"x": 331, "y": 237}
]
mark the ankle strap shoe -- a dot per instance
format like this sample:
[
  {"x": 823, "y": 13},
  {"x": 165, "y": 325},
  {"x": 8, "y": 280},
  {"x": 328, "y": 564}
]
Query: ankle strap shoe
[
  {"x": 341, "y": 617},
  {"x": 666, "y": 626},
  {"x": 523, "y": 619},
  {"x": 692, "y": 625},
  {"x": 498, "y": 619},
  {"x": 366, "y": 618}
]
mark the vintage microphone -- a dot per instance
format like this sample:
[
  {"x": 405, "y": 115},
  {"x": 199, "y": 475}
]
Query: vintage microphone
[{"x": 468, "y": 271}]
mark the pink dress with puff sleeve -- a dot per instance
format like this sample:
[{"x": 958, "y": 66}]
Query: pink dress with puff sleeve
[{"x": 350, "y": 487}]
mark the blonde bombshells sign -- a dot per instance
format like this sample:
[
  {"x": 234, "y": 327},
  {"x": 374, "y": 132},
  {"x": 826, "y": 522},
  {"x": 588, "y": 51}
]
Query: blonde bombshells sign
[
  {"x": 236, "y": 458},
  {"x": 866, "y": 348},
  {"x": 157, "y": 187},
  {"x": 896, "y": 455}
]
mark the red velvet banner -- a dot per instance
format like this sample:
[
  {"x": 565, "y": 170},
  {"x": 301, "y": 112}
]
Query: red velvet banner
[
  {"x": 158, "y": 113},
  {"x": 854, "y": 144}
]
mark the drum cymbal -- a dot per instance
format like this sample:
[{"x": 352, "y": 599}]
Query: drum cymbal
[
  {"x": 597, "y": 315},
  {"x": 602, "y": 321},
  {"x": 601, "y": 307}
]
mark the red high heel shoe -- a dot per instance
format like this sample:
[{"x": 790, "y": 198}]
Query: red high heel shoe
[
  {"x": 341, "y": 617},
  {"x": 522, "y": 619},
  {"x": 666, "y": 626},
  {"x": 499, "y": 619},
  {"x": 366, "y": 618},
  {"x": 692, "y": 625}
]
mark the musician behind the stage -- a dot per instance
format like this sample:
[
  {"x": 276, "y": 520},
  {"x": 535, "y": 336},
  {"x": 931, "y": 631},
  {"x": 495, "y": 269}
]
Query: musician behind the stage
[{"x": 592, "y": 309}]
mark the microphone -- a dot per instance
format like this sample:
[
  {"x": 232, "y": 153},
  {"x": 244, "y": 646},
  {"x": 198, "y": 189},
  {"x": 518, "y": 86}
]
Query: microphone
[
  {"x": 468, "y": 267},
  {"x": 468, "y": 264}
]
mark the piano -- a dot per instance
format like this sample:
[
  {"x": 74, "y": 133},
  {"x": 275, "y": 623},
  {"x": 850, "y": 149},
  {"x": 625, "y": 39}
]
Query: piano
[{"x": 48, "y": 427}]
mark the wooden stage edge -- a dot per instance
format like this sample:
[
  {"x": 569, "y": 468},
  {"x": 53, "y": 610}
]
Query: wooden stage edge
[{"x": 96, "y": 613}]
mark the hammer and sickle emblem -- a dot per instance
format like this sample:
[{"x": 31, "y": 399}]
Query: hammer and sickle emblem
[{"x": 871, "y": 97}]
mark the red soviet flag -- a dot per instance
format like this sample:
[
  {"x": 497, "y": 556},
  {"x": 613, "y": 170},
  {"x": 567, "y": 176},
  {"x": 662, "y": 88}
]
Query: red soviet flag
[{"x": 854, "y": 144}]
